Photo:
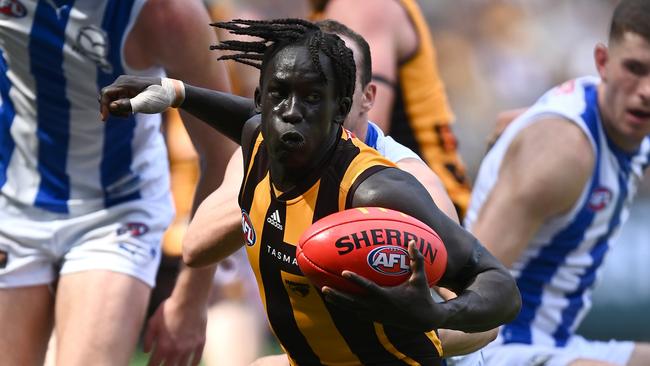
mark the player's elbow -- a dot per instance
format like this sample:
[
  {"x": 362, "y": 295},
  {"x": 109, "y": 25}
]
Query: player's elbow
[
  {"x": 193, "y": 256},
  {"x": 513, "y": 305}
]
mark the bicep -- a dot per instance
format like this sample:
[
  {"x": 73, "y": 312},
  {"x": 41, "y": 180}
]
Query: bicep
[{"x": 542, "y": 175}]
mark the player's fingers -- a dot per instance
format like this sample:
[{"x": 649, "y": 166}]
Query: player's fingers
[
  {"x": 198, "y": 353},
  {"x": 341, "y": 300},
  {"x": 149, "y": 337},
  {"x": 362, "y": 281},
  {"x": 183, "y": 360},
  {"x": 156, "y": 358},
  {"x": 418, "y": 275}
]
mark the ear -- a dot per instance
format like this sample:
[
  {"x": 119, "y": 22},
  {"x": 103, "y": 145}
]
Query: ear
[
  {"x": 258, "y": 100},
  {"x": 343, "y": 109},
  {"x": 368, "y": 98},
  {"x": 601, "y": 57}
]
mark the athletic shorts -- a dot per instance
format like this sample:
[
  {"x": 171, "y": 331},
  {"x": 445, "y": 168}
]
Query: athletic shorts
[
  {"x": 38, "y": 246},
  {"x": 616, "y": 352},
  {"x": 471, "y": 359}
]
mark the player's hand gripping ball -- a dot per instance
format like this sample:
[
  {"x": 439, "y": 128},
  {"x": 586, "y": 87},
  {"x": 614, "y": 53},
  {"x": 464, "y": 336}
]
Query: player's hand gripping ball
[{"x": 373, "y": 243}]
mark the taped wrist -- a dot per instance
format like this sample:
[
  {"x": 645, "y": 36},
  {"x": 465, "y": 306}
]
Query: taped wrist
[{"x": 157, "y": 98}]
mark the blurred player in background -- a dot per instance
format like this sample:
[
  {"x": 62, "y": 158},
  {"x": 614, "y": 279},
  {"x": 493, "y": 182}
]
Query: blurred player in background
[
  {"x": 554, "y": 189},
  {"x": 83, "y": 204},
  {"x": 411, "y": 103}
]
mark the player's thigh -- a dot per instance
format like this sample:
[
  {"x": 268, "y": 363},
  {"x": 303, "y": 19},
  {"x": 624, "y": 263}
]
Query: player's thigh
[
  {"x": 26, "y": 323},
  {"x": 640, "y": 355},
  {"x": 99, "y": 315}
]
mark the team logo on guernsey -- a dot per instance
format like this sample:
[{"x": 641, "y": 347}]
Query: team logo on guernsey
[
  {"x": 12, "y": 8},
  {"x": 600, "y": 198},
  {"x": 389, "y": 260},
  {"x": 92, "y": 43},
  {"x": 4, "y": 256},
  {"x": 133, "y": 228},
  {"x": 274, "y": 220},
  {"x": 247, "y": 229}
]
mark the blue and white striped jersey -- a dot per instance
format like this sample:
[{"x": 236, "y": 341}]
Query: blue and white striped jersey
[
  {"x": 55, "y": 153},
  {"x": 557, "y": 270}
]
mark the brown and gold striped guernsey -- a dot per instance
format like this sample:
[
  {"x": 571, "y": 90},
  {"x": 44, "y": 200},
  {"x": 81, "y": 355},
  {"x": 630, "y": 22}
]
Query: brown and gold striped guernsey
[{"x": 311, "y": 331}]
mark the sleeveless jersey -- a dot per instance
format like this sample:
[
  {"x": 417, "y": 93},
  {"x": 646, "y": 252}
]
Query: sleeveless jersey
[
  {"x": 310, "y": 330},
  {"x": 558, "y": 268},
  {"x": 55, "y": 153}
]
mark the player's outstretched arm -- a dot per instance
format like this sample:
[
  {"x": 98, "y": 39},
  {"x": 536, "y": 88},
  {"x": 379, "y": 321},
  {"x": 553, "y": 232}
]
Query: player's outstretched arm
[
  {"x": 224, "y": 112},
  {"x": 488, "y": 295}
]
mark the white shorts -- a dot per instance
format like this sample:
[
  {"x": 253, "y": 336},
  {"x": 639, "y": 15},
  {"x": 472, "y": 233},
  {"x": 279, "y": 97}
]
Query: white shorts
[
  {"x": 616, "y": 352},
  {"x": 471, "y": 359},
  {"x": 38, "y": 246}
]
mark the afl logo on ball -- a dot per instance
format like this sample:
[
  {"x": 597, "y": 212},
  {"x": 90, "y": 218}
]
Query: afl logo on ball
[
  {"x": 389, "y": 260},
  {"x": 599, "y": 199},
  {"x": 247, "y": 229},
  {"x": 12, "y": 8},
  {"x": 92, "y": 42}
]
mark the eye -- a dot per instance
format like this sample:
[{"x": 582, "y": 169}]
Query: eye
[
  {"x": 635, "y": 67},
  {"x": 313, "y": 98}
]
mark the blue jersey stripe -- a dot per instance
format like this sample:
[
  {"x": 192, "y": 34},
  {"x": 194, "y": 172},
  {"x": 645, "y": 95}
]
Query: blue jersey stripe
[
  {"x": 371, "y": 136},
  {"x": 539, "y": 271},
  {"x": 7, "y": 114},
  {"x": 53, "y": 108},
  {"x": 118, "y": 132}
]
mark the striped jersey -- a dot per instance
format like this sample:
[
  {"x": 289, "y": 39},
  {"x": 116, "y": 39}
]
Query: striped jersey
[
  {"x": 557, "y": 270},
  {"x": 312, "y": 331},
  {"x": 55, "y": 153}
]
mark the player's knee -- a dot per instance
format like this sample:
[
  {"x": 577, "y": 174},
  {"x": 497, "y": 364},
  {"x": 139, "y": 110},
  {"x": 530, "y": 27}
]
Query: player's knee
[{"x": 191, "y": 256}]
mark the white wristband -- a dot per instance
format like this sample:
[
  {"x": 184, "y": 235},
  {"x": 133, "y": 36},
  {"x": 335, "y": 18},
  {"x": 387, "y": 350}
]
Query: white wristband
[{"x": 157, "y": 98}]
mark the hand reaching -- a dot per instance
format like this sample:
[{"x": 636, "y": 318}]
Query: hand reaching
[
  {"x": 408, "y": 305},
  {"x": 175, "y": 336}
]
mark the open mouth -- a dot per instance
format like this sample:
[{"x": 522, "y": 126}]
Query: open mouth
[
  {"x": 292, "y": 140},
  {"x": 639, "y": 113}
]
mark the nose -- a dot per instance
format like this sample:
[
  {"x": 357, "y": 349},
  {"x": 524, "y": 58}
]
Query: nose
[
  {"x": 291, "y": 112},
  {"x": 644, "y": 90}
]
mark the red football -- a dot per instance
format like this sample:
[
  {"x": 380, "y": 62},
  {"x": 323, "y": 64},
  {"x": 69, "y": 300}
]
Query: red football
[{"x": 370, "y": 241}]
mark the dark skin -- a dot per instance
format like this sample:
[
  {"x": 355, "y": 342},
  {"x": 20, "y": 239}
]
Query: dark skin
[{"x": 301, "y": 116}]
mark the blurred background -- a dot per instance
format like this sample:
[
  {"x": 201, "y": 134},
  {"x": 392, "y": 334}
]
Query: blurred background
[{"x": 496, "y": 55}]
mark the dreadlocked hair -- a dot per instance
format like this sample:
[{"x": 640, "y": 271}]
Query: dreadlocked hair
[{"x": 279, "y": 33}]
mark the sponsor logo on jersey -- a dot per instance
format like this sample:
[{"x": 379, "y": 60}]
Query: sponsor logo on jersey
[
  {"x": 389, "y": 260},
  {"x": 248, "y": 231},
  {"x": 92, "y": 43},
  {"x": 600, "y": 198},
  {"x": 274, "y": 220},
  {"x": 133, "y": 228},
  {"x": 12, "y": 8},
  {"x": 300, "y": 289},
  {"x": 4, "y": 258}
]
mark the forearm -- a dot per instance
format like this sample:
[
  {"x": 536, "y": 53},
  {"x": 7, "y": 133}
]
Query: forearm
[
  {"x": 490, "y": 300},
  {"x": 193, "y": 287},
  {"x": 456, "y": 343},
  {"x": 224, "y": 112}
]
